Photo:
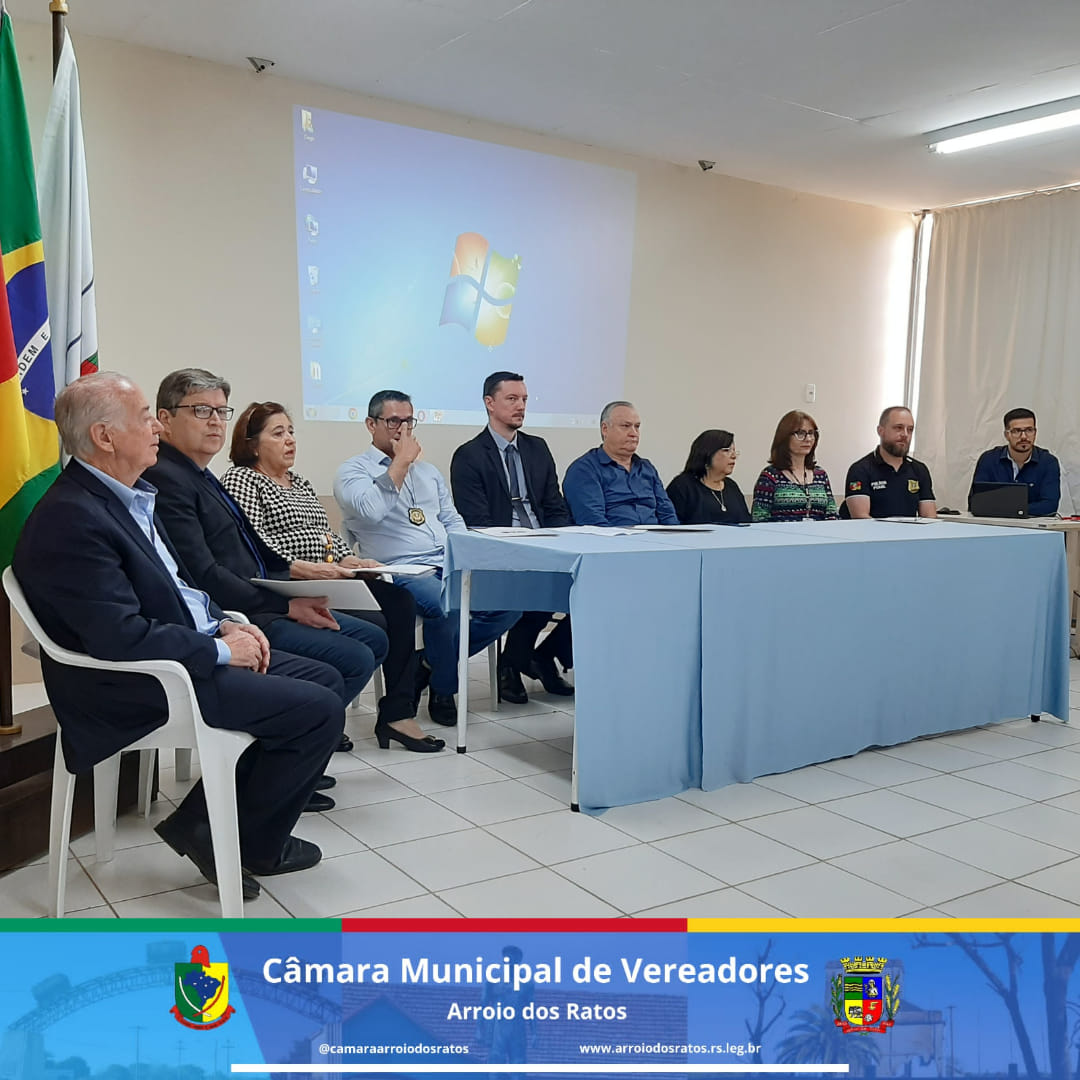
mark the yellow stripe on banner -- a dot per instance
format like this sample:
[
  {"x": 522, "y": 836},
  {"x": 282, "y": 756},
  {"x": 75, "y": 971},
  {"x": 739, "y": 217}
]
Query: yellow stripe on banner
[
  {"x": 853, "y": 927},
  {"x": 21, "y": 258},
  {"x": 28, "y": 443}
]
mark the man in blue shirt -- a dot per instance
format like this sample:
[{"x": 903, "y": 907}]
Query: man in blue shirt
[
  {"x": 398, "y": 508},
  {"x": 1020, "y": 461},
  {"x": 611, "y": 485}
]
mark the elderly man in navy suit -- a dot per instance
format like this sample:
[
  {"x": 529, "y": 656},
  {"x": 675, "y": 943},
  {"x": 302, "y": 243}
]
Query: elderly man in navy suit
[
  {"x": 505, "y": 477},
  {"x": 103, "y": 578}
]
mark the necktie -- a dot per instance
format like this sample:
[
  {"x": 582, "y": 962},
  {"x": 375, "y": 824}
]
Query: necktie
[
  {"x": 516, "y": 501},
  {"x": 241, "y": 521}
]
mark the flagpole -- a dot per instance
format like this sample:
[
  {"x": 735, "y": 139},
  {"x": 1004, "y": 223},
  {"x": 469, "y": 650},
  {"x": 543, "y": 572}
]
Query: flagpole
[
  {"x": 59, "y": 11},
  {"x": 8, "y": 726}
]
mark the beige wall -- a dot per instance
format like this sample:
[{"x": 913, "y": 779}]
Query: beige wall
[{"x": 741, "y": 293}]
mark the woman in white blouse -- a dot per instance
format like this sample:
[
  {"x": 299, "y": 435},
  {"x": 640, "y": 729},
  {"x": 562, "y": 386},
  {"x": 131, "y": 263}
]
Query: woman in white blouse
[{"x": 285, "y": 511}]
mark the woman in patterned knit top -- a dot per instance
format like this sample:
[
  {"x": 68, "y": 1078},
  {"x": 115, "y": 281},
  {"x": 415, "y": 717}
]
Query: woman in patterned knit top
[
  {"x": 286, "y": 513},
  {"x": 792, "y": 487}
]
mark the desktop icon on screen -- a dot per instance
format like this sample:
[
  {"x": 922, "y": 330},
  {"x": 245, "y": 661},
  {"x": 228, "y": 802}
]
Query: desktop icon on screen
[
  {"x": 482, "y": 288},
  {"x": 310, "y": 174},
  {"x": 312, "y": 227},
  {"x": 313, "y": 275},
  {"x": 314, "y": 325},
  {"x": 316, "y": 371},
  {"x": 307, "y": 125}
]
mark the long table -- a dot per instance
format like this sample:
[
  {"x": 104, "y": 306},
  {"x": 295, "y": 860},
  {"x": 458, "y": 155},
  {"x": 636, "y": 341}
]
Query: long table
[{"x": 704, "y": 659}]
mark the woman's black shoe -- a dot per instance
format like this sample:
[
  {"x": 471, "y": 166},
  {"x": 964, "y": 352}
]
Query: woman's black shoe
[
  {"x": 344, "y": 746},
  {"x": 324, "y": 783},
  {"x": 427, "y": 745}
]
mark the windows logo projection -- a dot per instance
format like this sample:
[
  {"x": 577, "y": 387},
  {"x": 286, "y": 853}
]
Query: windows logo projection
[
  {"x": 482, "y": 287},
  {"x": 381, "y": 209}
]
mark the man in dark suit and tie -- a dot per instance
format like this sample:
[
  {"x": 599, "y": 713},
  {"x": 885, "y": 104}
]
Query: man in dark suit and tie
[
  {"x": 103, "y": 578},
  {"x": 505, "y": 477},
  {"x": 223, "y": 551}
]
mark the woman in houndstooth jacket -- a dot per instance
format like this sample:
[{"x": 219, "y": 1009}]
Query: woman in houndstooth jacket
[{"x": 286, "y": 513}]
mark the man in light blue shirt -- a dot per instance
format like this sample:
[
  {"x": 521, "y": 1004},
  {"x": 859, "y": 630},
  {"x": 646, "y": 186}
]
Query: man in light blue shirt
[
  {"x": 611, "y": 485},
  {"x": 399, "y": 509}
]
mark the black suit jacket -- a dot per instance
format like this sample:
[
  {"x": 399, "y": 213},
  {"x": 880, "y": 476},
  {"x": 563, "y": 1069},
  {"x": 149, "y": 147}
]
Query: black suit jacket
[
  {"x": 482, "y": 494},
  {"x": 97, "y": 586},
  {"x": 212, "y": 541}
]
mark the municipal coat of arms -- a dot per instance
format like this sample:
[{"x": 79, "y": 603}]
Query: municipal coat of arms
[
  {"x": 202, "y": 992},
  {"x": 864, "y": 998}
]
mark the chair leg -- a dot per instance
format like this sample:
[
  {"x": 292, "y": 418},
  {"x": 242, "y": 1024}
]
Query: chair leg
[
  {"x": 106, "y": 786},
  {"x": 147, "y": 759},
  {"x": 219, "y": 783},
  {"x": 182, "y": 761},
  {"x": 493, "y": 674},
  {"x": 63, "y": 794},
  {"x": 378, "y": 685}
]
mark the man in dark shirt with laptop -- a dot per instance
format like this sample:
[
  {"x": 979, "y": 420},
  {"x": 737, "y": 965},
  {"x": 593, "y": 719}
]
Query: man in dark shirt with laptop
[{"x": 1020, "y": 461}]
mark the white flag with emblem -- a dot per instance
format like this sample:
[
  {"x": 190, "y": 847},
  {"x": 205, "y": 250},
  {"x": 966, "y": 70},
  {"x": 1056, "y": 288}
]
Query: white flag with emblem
[{"x": 64, "y": 202}]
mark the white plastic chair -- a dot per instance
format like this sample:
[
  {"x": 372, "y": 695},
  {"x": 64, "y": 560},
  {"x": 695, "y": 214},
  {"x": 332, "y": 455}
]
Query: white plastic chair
[
  {"x": 219, "y": 750},
  {"x": 379, "y": 685},
  {"x": 181, "y": 755}
]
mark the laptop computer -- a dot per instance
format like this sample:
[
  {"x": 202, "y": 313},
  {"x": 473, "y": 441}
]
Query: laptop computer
[{"x": 999, "y": 500}]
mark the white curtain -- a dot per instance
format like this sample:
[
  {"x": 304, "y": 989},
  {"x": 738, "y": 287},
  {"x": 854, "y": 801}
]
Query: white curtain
[{"x": 1002, "y": 329}]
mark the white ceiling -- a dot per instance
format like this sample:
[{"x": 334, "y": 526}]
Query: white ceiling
[{"x": 825, "y": 96}]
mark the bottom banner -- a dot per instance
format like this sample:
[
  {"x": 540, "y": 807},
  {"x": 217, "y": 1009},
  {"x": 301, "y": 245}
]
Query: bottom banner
[{"x": 173, "y": 1000}]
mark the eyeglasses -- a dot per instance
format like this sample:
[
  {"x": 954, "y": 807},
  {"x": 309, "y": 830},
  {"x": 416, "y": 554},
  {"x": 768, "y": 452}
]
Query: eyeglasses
[
  {"x": 729, "y": 450},
  {"x": 394, "y": 422},
  {"x": 1028, "y": 431},
  {"x": 204, "y": 412},
  {"x": 802, "y": 434}
]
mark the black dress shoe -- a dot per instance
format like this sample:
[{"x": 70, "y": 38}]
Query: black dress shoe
[
  {"x": 297, "y": 854},
  {"x": 196, "y": 844},
  {"x": 543, "y": 670},
  {"x": 318, "y": 802},
  {"x": 442, "y": 709},
  {"x": 511, "y": 688},
  {"x": 344, "y": 746},
  {"x": 324, "y": 783},
  {"x": 427, "y": 745}
]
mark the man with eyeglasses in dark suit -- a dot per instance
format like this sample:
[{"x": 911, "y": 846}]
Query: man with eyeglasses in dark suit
[{"x": 223, "y": 552}]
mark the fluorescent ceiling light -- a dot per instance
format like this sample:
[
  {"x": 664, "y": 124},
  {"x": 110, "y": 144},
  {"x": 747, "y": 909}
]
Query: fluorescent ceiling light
[{"x": 1019, "y": 124}]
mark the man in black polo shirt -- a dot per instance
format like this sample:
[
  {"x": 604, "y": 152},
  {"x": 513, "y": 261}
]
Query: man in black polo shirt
[{"x": 888, "y": 483}]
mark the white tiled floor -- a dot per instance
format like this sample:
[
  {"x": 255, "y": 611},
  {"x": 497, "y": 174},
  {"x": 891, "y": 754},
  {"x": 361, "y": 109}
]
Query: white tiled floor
[{"x": 983, "y": 822}]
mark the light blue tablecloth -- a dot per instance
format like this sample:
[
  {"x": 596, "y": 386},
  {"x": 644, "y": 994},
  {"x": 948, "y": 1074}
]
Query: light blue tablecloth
[
  {"x": 637, "y": 649},
  {"x": 805, "y": 642}
]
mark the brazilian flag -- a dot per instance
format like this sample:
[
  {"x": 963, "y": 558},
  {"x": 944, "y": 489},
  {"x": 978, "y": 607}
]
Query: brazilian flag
[{"x": 29, "y": 449}]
